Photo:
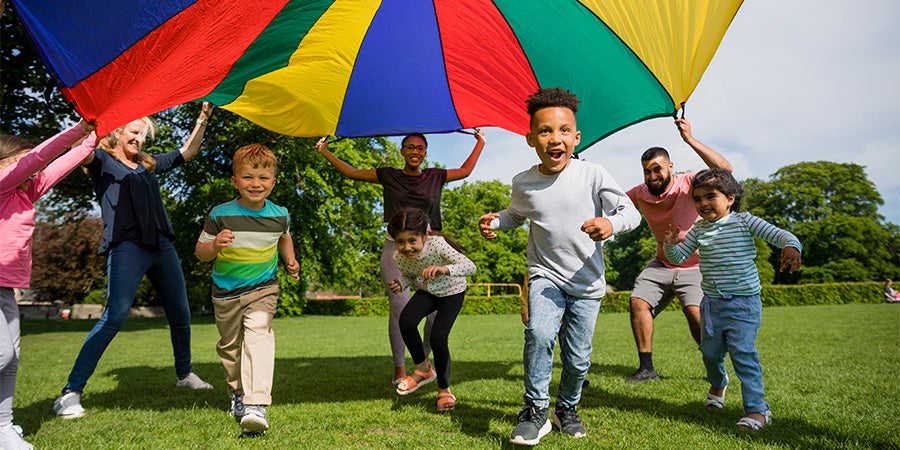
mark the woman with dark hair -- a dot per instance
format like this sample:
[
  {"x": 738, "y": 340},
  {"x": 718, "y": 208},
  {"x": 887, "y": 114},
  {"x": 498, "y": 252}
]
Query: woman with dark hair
[{"x": 410, "y": 187}]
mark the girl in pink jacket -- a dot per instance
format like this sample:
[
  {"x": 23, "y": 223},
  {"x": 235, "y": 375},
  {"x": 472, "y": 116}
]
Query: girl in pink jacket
[{"x": 26, "y": 174}]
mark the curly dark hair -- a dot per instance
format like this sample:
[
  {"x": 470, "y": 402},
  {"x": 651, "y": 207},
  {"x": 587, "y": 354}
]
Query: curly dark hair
[
  {"x": 550, "y": 98},
  {"x": 722, "y": 181}
]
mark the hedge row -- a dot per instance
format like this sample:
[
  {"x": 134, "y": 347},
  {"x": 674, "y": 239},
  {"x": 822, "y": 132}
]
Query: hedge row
[{"x": 773, "y": 295}]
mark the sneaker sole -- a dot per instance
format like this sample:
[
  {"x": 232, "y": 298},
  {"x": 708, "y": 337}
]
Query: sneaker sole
[
  {"x": 545, "y": 429},
  {"x": 254, "y": 425},
  {"x": 641, "y": 380},
  {"x": 71, "y": 416}
]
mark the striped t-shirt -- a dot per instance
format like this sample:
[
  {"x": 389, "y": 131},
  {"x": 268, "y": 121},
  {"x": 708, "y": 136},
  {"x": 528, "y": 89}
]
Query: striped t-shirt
[
  {"x": 727, "y": 252},
  {"x": 251, "y": 261}
]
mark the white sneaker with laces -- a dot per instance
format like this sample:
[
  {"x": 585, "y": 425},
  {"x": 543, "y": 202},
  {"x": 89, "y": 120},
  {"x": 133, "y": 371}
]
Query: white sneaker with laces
[
  {"x": 68, "y": 405},
  {"x": 254, "y": 420},
  {"x": 193, "y": 381},
  {"x": 11, "y": 438}
]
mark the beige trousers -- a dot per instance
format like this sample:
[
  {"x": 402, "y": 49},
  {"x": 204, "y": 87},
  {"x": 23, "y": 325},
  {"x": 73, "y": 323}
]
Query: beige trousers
[{"x": 247, "y": 344}]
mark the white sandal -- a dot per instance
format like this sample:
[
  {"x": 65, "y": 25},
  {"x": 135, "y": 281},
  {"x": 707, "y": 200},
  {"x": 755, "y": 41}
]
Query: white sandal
[
  {"x": 714, "y": 401},
  {"x": 750, "y": 424}
]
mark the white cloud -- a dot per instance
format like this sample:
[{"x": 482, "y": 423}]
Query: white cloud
[{"x": 792, "y": 81}]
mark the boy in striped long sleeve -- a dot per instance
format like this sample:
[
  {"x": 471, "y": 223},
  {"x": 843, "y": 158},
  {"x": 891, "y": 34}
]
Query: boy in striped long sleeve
[{"x": 731, "y": 309}]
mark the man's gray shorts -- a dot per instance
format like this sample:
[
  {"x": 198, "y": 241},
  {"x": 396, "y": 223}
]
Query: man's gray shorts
[{"x": 658, "y": 285}]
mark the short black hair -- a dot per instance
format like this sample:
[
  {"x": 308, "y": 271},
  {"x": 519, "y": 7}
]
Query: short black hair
[
  {"x": 550, "y": 98},
  {"x": 655, "y": 152}
]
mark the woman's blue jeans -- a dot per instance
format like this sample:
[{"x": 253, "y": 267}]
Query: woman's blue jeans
[
  {"x": 552, "y": 313},
  {"x": 126, "y": 265},
  {"x": 731, "y": 325}
]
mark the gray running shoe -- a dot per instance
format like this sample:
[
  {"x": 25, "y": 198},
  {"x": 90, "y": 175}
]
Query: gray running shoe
[
  {"x": 567, "y": 420},
  {"x": 532, "y": 426},
  {"x": 254, "y": 419},
  {"x": 237, "y": 406},
  {"x": 193, "y": 381},
  {"x": 68, "y": 405},
  {"x": 642, "y": 375}
]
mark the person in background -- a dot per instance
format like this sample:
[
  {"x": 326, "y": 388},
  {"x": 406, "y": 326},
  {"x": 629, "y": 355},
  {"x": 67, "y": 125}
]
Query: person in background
[
  {"x": 665, "y": 198},
  {"x": 409, "y": 187},
  {"x": 890, "y": 296}
]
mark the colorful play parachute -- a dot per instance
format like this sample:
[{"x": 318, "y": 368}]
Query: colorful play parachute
[{"x": 369, "y": 68}]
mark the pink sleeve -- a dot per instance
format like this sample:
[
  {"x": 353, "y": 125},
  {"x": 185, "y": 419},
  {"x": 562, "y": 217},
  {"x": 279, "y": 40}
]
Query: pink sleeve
[
  {"x": 12, "y": 176},
  {"x": 62, "y": 166}
]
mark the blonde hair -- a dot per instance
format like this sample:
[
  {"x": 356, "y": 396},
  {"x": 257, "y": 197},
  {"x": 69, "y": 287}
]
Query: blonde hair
[
  {"x": 108, "y": 143},
  {"x": 254, "y": 155}
]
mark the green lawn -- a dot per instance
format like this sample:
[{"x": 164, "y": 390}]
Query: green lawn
[{"x": 832, "y": 377}]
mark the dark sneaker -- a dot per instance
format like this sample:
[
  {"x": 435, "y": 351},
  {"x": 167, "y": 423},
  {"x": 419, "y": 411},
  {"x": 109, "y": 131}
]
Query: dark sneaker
[
  {"x": 532, "y": 426},
  {"x": 566, "y": 419},
  {"x": 237, "y": 406},
  {"x": 643, "y": 375}
]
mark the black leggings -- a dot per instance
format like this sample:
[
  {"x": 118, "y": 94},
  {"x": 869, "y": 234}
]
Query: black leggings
[{"x": 420, "y": 305}]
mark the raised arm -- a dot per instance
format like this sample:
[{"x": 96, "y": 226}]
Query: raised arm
[
  {"x": 469, "y": 165},
  {"x": 344, "y": 168},
  {"x": 709, "y": 156},
  {"x": 192, "y": 145}
]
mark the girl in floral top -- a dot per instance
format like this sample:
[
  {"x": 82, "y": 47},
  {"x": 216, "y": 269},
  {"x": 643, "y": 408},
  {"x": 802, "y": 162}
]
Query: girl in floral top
[{"x": 437, "y": 268}]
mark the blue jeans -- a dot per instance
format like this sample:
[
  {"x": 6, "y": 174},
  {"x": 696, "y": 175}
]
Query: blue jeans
[
  {"x": 552, "y": 313},
  {"x": 126, "y": 265},
  {"x": 731, "y": 325}
]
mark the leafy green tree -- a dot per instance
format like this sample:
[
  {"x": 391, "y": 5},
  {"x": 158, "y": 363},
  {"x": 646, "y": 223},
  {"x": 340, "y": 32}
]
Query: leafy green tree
[
  {"x": 833, "y": 210},
  {"x": 65, "y": 264},
  {"x": 23, "y": 78},
  {"x": 499, "y": 260},
  {"x": 628, "y": 253}
]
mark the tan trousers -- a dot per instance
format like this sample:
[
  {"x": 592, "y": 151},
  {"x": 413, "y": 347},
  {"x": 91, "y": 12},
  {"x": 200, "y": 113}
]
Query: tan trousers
[{"x": 247, "y": 344}]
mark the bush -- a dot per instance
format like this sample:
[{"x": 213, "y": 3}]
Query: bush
[
  {"x": 378, "y": 306},
  {"x": 619, "y": 301}
]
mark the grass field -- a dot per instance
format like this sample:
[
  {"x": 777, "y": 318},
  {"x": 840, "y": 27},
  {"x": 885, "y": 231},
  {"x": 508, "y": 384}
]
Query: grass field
[{"x": 832, "y": 376}]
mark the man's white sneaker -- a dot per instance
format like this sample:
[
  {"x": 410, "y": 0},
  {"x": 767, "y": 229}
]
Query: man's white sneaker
[
  {"x": 254, "y": 420},
  {"x": 193, "y": 381},
  {"x": 68, "y": 405}
]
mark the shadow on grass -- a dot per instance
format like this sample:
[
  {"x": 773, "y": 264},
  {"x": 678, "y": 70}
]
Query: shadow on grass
[
  {"x": 296, "y": 381},
  {"x": 785, "y": 431},
  {"x": 38, "y": 327},
  {"x": 365, "y": 378}
]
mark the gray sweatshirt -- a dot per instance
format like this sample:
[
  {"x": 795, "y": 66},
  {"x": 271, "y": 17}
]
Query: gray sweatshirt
[{"x": 557, "y": 205}]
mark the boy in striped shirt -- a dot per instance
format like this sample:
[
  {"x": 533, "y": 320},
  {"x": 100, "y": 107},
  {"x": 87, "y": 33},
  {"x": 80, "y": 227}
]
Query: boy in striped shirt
[
  {"x": 731, "y": 309},
  {"x": 245, "y": 237}
]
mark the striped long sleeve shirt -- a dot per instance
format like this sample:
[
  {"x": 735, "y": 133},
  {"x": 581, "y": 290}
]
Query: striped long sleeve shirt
[{"x": 727, "y": 252}]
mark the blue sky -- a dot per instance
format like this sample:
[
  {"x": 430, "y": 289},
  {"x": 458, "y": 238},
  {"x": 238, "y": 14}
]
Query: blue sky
[{"x": 792, "y": 81}]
